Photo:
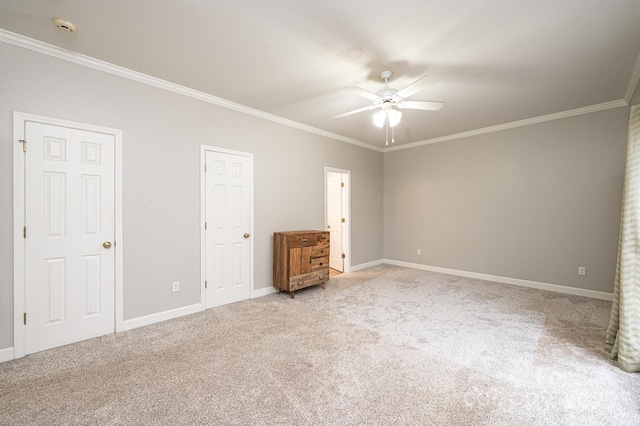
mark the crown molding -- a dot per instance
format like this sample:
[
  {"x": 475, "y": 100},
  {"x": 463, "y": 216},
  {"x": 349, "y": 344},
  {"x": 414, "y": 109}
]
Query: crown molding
[
  {"x": 97, "y": 64},
  {"x": 520, "y": 123},
  {"x": 633, "y": 81}
]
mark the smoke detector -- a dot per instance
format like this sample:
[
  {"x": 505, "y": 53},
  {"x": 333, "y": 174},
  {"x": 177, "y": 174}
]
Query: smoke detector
[{"x": 65, "y": 25}]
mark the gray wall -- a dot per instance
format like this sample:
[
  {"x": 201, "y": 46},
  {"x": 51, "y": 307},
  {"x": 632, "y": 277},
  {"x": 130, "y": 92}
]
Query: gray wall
[
  {"x": 162, "y": 134},
  {"x": 533, "y": 202}
]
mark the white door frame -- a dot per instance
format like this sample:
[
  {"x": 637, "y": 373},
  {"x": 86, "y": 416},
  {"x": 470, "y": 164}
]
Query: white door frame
[
  {"x": 20, "y": 120},
  {"x": 346, "y": 235},
  {"x": 203, "y": 218}
]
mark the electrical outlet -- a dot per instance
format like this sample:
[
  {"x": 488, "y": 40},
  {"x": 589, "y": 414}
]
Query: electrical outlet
[
  {"x": 582, "y": 270},
  {"x": 419, "y": 251},
  {"x": 176, "y": 286}
]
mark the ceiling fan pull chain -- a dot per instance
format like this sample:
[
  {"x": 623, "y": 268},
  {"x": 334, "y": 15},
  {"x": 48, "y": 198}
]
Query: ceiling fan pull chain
[{"x": 387, "y": 129}]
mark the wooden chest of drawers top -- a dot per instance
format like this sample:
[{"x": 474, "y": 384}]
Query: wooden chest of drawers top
[{"x": 306, "y": 238}]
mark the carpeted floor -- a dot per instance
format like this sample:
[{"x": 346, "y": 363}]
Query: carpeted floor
[{"x": 386, "y": 345}]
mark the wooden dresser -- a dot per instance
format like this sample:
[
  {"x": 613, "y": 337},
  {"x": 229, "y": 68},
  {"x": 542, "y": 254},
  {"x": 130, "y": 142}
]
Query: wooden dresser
[{"x": 300, "y": 259}]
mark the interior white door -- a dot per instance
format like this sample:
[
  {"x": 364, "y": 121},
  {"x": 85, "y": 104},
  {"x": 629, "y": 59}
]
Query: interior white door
[
  {"x": 334, "y": 219},
  {"x": 69, "y": 217},
  {"x": 228, "y": 228}
]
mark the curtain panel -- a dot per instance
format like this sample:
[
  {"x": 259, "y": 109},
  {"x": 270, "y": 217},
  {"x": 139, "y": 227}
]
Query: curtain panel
[{"x": 623, "y": 334}]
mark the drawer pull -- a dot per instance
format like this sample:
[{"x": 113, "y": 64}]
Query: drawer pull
[{"x": 304, "y": 240}]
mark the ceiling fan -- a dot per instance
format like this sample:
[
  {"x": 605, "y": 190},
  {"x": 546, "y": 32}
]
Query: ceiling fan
[{"x": 389, "y": 99}]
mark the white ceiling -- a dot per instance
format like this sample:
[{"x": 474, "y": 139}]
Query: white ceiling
[{"x": 498, "y": 61}]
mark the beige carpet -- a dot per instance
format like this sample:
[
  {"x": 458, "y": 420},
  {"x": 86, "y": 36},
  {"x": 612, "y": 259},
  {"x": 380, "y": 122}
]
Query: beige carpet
[{"x": 387, "y": 345}]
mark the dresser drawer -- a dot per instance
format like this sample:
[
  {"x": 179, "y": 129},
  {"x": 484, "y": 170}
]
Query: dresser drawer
[
  {"x": 319, "y": 263},
  {"x": 303, "y": 240},
  {"x": 306, "y": 280},
  {"x": 320, "y": 250}
]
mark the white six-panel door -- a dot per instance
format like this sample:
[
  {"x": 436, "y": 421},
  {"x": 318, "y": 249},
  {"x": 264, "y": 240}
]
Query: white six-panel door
[
  {"x": 69, "y": 217},
  {"x": 228, "y": 195}
]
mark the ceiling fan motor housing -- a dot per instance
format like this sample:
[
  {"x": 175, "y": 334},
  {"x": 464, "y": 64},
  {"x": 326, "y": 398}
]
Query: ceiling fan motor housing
[{"x": 387, "y": 93}]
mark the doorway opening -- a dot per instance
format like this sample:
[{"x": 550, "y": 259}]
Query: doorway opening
[{"x": 338, "y": 218}]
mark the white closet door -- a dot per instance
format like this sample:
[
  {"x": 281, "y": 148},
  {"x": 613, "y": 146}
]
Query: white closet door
[
  {"x": 70, "y": 230},
  {"x": 228, "y": 216}
]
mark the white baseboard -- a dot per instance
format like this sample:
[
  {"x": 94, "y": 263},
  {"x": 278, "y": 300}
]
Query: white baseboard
[
  {"x": 130, "y": 324},
  {"x": 366, "y": 265},
  {"x": 263, "y": 292},
  {"x": 6, "y": 354},
  {"x": 506, "y": 280}
]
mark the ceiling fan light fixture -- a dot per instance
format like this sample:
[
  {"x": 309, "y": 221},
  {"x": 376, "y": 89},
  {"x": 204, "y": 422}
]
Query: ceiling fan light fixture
[
  {"x": 387, "y": 115},
  {"x": 394, "y": 117},
  {"x": 379, "y": 118}
]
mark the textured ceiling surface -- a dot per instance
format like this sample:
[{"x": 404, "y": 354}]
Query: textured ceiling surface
[{"x": 498, "y": 61}]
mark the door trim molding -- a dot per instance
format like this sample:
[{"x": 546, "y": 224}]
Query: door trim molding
[
  {"x": 203, "y": 215},
  {"x": 346, "y": 240},
  {"x": 19, "y": 244}
]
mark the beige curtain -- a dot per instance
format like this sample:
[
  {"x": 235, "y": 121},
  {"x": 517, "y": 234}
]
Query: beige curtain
[{"x": 623, "y": 335}]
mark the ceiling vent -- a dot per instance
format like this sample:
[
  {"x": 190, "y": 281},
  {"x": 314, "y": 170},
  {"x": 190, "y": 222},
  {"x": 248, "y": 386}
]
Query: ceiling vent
[{"x": 65, "y": 25}]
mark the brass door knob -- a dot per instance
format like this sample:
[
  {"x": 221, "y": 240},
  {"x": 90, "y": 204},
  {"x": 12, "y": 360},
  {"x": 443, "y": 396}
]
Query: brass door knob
[
  {"x": 246, "y": 235},
  {"x": 106, "y": 244}
]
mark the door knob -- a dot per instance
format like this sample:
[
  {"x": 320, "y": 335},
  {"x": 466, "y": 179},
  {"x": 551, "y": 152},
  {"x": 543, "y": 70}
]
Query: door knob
[
  {"x": 246, "y": 235},
  {"x": 106, "y": 244}
]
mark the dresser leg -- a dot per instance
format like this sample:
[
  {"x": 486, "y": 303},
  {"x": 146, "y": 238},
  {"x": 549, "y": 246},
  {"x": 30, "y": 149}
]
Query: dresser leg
[
  {"x": 293, "y": 293},
  {"x": 323, "y": 285},
  {"x": 278, "y": 290}
]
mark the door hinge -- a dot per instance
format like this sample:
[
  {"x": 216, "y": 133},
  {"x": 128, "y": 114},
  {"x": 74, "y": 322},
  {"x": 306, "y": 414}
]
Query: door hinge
[
  {"x": 344, "y": 256},
  {"x": 205, "y": 226},
  {"x": 342, "y": 220},
  {"x": 24, "y": 317},
  {"x": 24, "y": 145},
  {"x": 24, "y": 232},
  {"x": 205, "y": 283},
  {"x": 205, "y": 167},
  {"x": 342, "y": 184}
]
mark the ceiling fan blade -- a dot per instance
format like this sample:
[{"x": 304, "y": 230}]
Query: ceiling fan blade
[
  {"x": 362, "y": 92},
  {"x": 418, "y": 85},
  {"x": 355, "y": 111},
  {"x": 424, "y": 105}
]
